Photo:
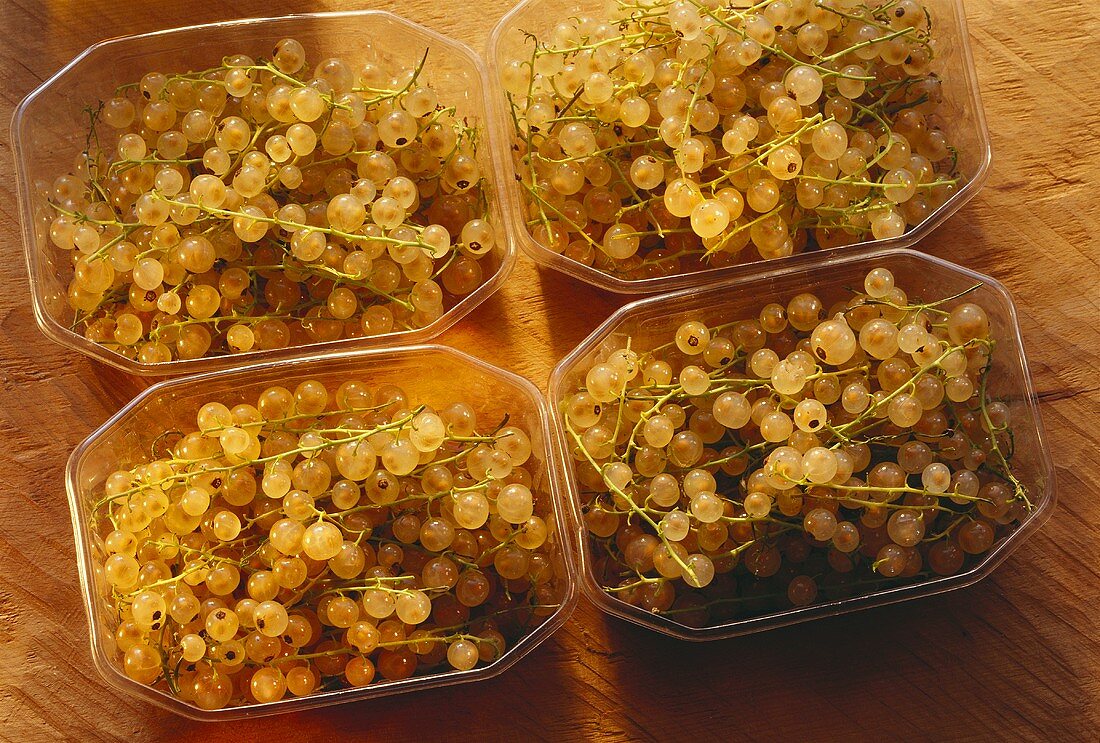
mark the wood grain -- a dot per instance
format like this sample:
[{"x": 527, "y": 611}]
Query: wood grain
[{"x": 1017, "y": 656}]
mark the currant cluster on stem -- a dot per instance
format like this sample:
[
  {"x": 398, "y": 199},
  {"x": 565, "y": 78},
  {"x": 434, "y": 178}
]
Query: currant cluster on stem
[
  {"x": 667, "y": 136},
  {"x": 751, "y": 464},
  {"x": 323, "y": 538},
  {"x": 266, "y": 203}
]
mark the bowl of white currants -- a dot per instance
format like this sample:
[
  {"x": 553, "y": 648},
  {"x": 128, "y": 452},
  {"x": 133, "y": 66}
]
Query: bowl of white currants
[
  {"x": 785, "y": 447},
  {"x": 660, "y": 144},
  {"x": 262, "y": 188},
  {"x": 333, "y": 528}
]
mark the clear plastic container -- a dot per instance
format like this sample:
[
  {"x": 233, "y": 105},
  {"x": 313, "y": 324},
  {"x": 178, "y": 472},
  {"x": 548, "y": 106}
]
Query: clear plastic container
[
  {"x": 430, "y": 374},
  {"x": 961, "y": 110},
  {"x": 50, "y": 125},
  {"x": 653, "y": 318}
]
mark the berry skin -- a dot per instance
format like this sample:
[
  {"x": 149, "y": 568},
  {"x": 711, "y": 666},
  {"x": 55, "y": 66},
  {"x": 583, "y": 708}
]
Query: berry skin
[
  {"x": 712, "y": 136},
  {"x": 251, "y": 190},
  {"x": 727, "y": 459},
  {"x": 350, "y": 534}
]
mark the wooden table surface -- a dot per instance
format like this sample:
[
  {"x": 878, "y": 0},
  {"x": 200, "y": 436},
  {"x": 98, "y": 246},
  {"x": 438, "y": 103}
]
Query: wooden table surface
[{"x": 1017, "y": 655}]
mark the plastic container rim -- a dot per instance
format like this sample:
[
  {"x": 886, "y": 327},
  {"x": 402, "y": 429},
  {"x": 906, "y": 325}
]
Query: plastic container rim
[
  {"x": 738, "y": 627},
  {"x": 501, "y": 136},
  {"x": 56, "y": 332},
  {"x": 555, "y": 476}
]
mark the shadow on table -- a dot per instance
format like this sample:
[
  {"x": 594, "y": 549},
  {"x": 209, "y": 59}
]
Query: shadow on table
[
  {"x": 574, "y": 308},
  {"x": 938, "y": 667}
]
